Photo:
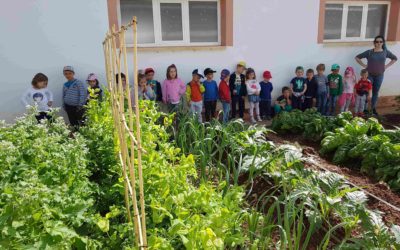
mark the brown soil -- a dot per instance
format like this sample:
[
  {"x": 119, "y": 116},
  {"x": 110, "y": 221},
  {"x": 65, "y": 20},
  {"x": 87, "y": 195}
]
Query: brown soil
[
  {"x": 378, "y": 189},
  {"x": 391, "y": 120}
]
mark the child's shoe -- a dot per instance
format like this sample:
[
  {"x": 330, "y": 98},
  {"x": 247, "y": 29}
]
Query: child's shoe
[
  {"x": 259, "y": 119},
  {"x": 252, "y": 120}
]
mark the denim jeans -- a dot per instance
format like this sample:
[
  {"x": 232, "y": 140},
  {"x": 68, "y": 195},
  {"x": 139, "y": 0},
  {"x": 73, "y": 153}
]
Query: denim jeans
[
  {"x": 226, "y": 107},
  {"x": 376, "y": 86},
  {"x": 360, "y": 103},
  {"x": 322, "y": 102},
  {"x": 196, "y": 108},
  {"x": 332, "y": 105},
  {"x": 240, "y": 101},
  {"x": 297, "y": 102}
]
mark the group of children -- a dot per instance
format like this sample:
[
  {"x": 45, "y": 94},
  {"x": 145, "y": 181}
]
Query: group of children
[
  {"x": 328, "y": 91},
  {"x": 75, "y": 95},
  {"x": 232, "y": 90}
]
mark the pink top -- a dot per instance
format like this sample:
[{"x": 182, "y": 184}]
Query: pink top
[
  {"x": 172, "y": 90},
  {"x": 348, "y": 85}
]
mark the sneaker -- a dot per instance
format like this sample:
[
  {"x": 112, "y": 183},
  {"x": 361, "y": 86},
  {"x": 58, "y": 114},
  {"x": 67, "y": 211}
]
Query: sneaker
[
  {"x": 252, "y": 120},
  {"x": 374, "y": 112},
  {"x": 259, "y": 119}
]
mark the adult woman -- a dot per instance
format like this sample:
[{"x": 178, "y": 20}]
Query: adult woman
[{"x": 376, "y": 66}]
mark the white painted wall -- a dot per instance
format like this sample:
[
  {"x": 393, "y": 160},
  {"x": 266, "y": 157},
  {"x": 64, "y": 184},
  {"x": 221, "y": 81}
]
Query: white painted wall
[
  {"x": 45, "y": 35},
  {"x": 275, "y": 35}
]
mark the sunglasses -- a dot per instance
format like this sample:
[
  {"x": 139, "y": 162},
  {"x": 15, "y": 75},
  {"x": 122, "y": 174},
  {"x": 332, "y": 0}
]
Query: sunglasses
[{"x": 378, "y": 41}]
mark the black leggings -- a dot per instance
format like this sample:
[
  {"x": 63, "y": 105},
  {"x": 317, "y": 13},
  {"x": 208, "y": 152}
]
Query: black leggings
[
  {"x": 265, "y": 108},
  {"x": 42, "y": 116},
  {"x": 210, "y": 106},
  {"x": 75, "y": 114}
]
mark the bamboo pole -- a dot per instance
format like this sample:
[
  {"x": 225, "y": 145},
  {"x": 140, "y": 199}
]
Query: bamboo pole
[
  {"x": 127, "y": 143},
  {"x": 117, "y": 99},
  {"x": 131, "y": 163},
  {"x": 138, "y": 137},
  {"x": 123, "y": 143},
  {"x": 109, "y": 75}
]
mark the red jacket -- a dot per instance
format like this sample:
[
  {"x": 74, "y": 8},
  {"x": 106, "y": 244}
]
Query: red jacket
[{"x": 224, "y": 91}]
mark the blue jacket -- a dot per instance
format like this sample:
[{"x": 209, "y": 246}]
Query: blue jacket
[
  {"x": 211, "y": 93},
  {"x": 266, "y": 89}
]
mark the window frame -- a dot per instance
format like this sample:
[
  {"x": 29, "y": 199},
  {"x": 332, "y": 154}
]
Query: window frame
[
  {"x": 364, "y": 19},
  {"x": 158, "y": 42}
]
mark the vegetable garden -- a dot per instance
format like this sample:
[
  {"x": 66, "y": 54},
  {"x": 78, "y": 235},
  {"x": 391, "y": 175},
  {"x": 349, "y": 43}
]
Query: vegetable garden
[{"x": 204, "y": 186}]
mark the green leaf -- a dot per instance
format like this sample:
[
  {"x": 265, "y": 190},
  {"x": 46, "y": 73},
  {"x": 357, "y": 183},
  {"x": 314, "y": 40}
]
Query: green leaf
[{"x": 103, "y": 224}]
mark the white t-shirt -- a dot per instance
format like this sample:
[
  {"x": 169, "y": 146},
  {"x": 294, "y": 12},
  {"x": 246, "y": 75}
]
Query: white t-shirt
[
  {"x": 252, "y": 87},
  {"x": 37, "y": 97}
]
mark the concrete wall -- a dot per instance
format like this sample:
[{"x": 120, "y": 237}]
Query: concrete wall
[{"x": 45, "y": 35}]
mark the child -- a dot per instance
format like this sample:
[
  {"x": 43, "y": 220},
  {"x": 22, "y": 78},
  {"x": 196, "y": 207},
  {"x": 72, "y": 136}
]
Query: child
[
  {"x": 40, "y": 96},
  {"x": 265, "y": 96},
  {"x": 194, "y": 92},
  {"x": 74, "y": 97},
  {"x": 363, "y": 93},
  {"x": 145, "y": 92},
  {"x": 124, "y": 86},
  {"x": 173, "y": 89},
  {"x": 284, "y": 102},
  {"x": 210, "y": 94},
  {"x": 312, "y": 88},
  {"x": 298, "y": 87},
  {"x": 237, "y": 86},
  {"x": 155, "y": 85},
  {"x": 225, "y": 94},
  {"x": 253, "y": 90},
  {"x": 94, "y": 91},
  {"x": 348, "y": 89},
  {"x": 123, "y": 80},
  {"x": 335, "y": 88},
  {"x": 323, "y": 89}
]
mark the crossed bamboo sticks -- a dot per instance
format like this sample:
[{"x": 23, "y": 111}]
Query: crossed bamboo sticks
[{"x": 125, "y": 124}]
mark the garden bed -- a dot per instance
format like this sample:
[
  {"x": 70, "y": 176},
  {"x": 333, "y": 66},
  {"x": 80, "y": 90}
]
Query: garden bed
[{"x": 379, "y": 189}]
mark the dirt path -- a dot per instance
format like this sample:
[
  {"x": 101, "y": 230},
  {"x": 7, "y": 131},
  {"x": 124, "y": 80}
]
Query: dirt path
[{"x": 381, "y": 190}]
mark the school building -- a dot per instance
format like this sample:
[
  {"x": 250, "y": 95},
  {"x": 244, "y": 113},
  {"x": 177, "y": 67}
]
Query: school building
[{"x": 278, "y": 35}]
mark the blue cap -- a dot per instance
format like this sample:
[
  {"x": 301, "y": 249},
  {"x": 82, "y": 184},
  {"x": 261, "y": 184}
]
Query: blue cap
[
  {"x": 196, "y": 72},
  {"x": 225, "y": 73}
]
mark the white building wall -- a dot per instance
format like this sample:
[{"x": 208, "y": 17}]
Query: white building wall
[{"x": 45, "y": 35}]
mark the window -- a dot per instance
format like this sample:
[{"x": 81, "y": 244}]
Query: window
[
  {"x": 355, "y": 20},
  {"x": 173, "y": 22}
]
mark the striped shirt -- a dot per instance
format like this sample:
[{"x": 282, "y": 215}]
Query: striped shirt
[{"x": 74, "y": 93}]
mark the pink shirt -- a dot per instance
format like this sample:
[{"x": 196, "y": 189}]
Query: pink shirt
[
  {"x": 348, "y": 85},
  {"x": 172, "y": 90}
]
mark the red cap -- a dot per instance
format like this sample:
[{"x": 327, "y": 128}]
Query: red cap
[
  {"x": 148, "y": 70},
  {"x": 267, "y": 74}
]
